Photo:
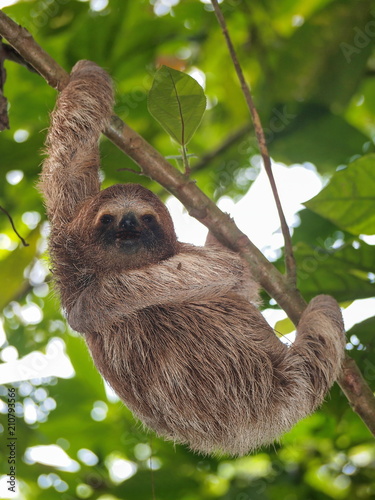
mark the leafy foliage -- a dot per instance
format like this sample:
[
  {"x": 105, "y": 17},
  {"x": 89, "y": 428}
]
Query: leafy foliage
[
  {"x": 311, "y": 67},
  {"x": 349, "y": 199}
]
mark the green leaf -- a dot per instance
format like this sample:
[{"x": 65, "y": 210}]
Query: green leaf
[
  {"x": 177, "y": 102},
  {"x": 284, "y": 326},
  {"x": 344, "y": 273},
  {"x": 314, "y": 229},
  {"x": 314, "y": 125},
  {"x": 364, "y": 331},
  {"x": 349, "y": 199}
]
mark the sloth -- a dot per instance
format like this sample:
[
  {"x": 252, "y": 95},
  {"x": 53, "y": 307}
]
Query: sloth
[{"x": 173, "y": 328}]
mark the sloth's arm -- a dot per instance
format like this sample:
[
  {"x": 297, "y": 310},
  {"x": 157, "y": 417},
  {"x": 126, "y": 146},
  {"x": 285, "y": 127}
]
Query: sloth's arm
[{"x": 70, "y": 171}]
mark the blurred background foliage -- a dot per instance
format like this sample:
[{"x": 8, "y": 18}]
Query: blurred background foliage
[{"x": 311, "y": 65}]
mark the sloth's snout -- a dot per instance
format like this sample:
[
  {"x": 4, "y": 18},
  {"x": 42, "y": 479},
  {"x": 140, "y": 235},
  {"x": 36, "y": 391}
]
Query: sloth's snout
[{"x": 129, "y": 222}]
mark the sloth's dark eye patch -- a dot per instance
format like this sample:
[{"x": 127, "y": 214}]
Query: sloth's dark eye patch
[
  {"x": 148, "y": 218},
  {"x": 106, "y": 219}
]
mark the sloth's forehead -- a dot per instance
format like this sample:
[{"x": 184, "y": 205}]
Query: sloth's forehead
[{"x": 121, "y": 205}]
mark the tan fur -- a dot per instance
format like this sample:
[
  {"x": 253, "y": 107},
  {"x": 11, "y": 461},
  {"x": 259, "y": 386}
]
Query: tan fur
[{"x": 172, "y": 327}]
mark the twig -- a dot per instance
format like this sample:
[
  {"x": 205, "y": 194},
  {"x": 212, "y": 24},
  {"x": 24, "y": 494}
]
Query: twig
[
  {"x": 199, "y": 206},
  {"x": 289, "y": 256},
  {"x": 229, "y": 142},
  {"x": 12, "y": 55},
  {"x": 13, "y": 226},
  {"x": 4, "y": 119},
  {"x": 131, "y": 170}
]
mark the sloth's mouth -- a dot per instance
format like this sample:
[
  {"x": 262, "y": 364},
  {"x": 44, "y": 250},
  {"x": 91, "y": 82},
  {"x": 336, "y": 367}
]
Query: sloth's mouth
[{"x": 127, "y": 234}]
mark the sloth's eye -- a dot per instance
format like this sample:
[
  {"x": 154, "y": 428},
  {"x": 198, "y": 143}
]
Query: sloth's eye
[
  {"x": 148, "y": 218},
  {"x": 106, "y": 219}
]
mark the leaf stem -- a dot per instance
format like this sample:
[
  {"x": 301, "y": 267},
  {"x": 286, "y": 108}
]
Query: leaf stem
[{"x": 185, "y": 160}]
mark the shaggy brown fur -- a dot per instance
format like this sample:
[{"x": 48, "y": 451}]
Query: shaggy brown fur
[{"x": 172, "y": 327}]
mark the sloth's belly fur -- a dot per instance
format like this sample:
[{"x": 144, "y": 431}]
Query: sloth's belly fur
[{"x": 215, "y": 385}]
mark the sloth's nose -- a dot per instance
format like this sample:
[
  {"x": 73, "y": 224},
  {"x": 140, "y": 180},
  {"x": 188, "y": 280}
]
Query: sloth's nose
[{"x": 129, "y": 221}]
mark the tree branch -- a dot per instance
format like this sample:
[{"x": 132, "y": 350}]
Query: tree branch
[
  {"x": 199, "y": 206},
  {"x": 22, "y": 41}
]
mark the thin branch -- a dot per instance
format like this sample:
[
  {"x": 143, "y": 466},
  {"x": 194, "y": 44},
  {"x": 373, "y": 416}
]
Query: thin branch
[
  {"x": 13, "y": 226},
  {"x": 12, "y": 55},
  {"x": 4, "y": 119},
  {"x": 228, "y": 143},
  {"x": 131, "y": 170},
  {"x": 199, "y": 206},
  {"x": 289, "y": 256}
]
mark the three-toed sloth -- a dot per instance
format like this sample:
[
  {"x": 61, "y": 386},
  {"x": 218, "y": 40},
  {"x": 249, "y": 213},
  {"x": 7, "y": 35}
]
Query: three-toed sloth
[{"x": 172, "y": 327}]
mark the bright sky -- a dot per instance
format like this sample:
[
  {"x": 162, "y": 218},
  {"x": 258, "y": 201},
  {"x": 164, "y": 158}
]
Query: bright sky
[
  {"x": 6, "y": 3},
  {"x": 255, "y": 213}
]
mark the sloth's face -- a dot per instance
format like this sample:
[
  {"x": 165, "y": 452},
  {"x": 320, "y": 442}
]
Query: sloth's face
[
  {"x": 124, "y": 226},
  {"x": 129, "y": 233}
]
